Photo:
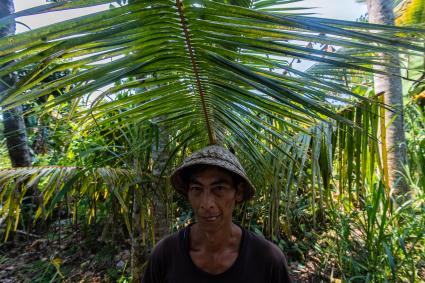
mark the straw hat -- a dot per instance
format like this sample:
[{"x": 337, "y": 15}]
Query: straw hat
[{"x": 216, "y": 156}]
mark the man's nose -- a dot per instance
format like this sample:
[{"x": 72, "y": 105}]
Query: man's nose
[{"x": 207, "y": 200}]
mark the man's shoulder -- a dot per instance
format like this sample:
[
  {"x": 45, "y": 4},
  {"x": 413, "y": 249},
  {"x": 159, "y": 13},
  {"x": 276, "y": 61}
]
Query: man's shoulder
[
  {"x": 261, "y": 246},
  {"x": 166, "y": 245},
  {"x": 170, "y": 239},
  {"x": 267, "y": 258}
]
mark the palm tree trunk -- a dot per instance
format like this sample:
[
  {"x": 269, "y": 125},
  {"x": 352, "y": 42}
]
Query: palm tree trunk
[
  {"x": 381, "y": 12},
  {"x": 14, "y": 125},
  {"x": 16, "y": 137}
]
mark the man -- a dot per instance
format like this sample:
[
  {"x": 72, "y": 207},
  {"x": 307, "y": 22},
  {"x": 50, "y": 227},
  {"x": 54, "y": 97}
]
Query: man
[{"x": 214, "y": 249}]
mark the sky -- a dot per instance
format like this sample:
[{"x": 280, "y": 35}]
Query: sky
[
  {"x": 42, "y": 20},
  {"x": 336, "y": 9}
]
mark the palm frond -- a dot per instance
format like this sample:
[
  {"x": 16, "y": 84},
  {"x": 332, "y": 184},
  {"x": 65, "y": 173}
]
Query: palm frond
[
  {"x": 55, "y": 183},
  {"x": 410, "y": 12},
  {"x": 220, "y": 67}
]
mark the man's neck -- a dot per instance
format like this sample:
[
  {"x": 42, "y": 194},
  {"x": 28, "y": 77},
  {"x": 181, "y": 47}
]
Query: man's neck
[{"x": 215, "y": 240}]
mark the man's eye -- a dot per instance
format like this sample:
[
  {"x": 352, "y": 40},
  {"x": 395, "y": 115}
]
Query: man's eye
[
  {"x": 195, "y": 189},
  {"x": 219, "y": 188}
]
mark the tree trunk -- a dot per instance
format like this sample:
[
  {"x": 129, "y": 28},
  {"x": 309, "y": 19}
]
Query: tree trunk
[
  {"x": 142, "y": 241},
  {"x": 16, "y": 137},
  {"x": 14, "y": 125},
  {"x": 14, "y": 128},
  {"x": 381, "y": 12},
  {"x": 138, "y": 251},
  {"x": 160, "y": 194}
]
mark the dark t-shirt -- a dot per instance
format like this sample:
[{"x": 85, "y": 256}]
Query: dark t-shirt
[{"x": 259, "y": 261}]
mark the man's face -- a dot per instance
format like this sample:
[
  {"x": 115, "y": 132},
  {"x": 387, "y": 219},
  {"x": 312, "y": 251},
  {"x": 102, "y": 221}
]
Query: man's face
[{"x": 212, "y": 194}]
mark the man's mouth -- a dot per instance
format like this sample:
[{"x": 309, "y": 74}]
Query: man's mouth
[{"x": 211, "y": 218}]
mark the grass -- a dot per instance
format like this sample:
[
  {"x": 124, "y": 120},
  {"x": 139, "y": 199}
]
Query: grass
[{"x": 375, "y": 242}]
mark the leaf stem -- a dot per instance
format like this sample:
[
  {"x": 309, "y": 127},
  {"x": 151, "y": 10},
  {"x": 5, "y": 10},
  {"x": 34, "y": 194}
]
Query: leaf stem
[{"x": 195, "y": 69}]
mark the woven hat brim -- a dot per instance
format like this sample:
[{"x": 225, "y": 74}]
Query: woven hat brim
[{"x": 179, "y": 185}]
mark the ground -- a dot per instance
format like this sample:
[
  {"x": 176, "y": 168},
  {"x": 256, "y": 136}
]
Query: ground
[
  {"x": 70, "y": 259},
  {"x": 79, "y": 256}
]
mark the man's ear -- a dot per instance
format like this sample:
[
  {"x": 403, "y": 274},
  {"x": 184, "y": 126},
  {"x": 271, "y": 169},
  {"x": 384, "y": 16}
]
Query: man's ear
[{"x": 239, "y": 192}]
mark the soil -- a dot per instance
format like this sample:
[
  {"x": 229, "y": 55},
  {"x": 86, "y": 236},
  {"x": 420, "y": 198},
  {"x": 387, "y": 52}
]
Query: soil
[{"x": 69, "y": 259}]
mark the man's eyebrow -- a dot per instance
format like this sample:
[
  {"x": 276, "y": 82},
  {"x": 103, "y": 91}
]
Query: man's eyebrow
[{"x": 194, "y": 182}]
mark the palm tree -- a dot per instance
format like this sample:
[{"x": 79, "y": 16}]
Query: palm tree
[
  {"x": 208, "y": 60},
  {"x": 381, "y": 12},
  {"x": 14, "y": 126},
  {"x": 13, "y": 121},
  {"x": 213, "y": 71}
]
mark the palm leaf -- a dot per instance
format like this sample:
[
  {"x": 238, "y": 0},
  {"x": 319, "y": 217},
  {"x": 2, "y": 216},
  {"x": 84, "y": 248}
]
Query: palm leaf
[
  {"x": 55, "y": 182},
  {"x": 207, "y": 72},
  {"x": 410, "y": 12},
  {"x": 222, "y": 68}
]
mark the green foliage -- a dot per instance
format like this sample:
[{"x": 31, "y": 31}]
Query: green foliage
[
  {"x": 309, "y": 140},
  {"x": 376, "y": 242},
  {"x": 4, "y": 157},
  {"x": 45, "y": 271},
  {"x": 410, "y": 12},
  {"x": 415, "y": 124},
  {"x": 224, "y": 87}
]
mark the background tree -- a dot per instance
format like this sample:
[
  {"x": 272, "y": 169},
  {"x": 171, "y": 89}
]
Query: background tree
[
  {"x": 14, "y": 125},
  {"x": 13, "y": 121},
  {"x": 381, "y": 12}
]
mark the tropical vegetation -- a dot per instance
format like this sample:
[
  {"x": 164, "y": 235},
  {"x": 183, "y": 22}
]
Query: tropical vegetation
[{"x": 112, "y": 101}]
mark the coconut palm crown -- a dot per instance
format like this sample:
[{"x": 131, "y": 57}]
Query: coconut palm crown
[{"x": 207, "y": 71}]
